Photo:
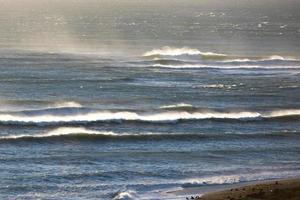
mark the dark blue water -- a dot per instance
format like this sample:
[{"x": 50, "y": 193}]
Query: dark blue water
[{"x": 168, "y": 101}]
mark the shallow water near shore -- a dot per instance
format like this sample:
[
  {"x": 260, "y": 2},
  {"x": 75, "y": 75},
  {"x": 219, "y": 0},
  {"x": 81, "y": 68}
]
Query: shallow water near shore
[{"x": 138, "y": 116}]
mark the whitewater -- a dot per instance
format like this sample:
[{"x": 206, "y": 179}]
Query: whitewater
[
  {"x": 137, "y": 100},
  {"x": 144, "y": 125}
]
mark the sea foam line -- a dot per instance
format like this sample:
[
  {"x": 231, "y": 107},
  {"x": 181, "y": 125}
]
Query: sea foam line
[
  {"x": 125, "y": 116},
  {"x": 219, "y": 57},
  {"x": 167, "y": 116},
  {"x": 169, "y": 51},
  {"x": 73, "y": 131},
  {"x": 218, "y": 66}
]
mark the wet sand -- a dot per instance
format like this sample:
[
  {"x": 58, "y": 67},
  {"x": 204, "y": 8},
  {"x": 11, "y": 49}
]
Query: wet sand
[{"x": 288, "y": 189}]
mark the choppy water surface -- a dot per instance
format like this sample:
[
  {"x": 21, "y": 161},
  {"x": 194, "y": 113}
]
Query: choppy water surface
[{"x": 134, "y": 118}]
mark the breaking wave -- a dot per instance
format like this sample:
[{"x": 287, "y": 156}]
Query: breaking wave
[
  {"x": 168, "y": 51},
  {"x": 179, "y": 105},
  {"x": 159, "y": 54},
  {"x": 66, "y": 104},
  {"x": 258, "y": 59},
  {"x": 63, "y": 131},
  {"x": 66, "y": 116},
  {"x": 83, "y": 133},
  {"x": 190, "y": 58},
  {"x": 216, "y": 66},
  {"x": 219, "y": 86},
  {"x": 125, "y": 195}
]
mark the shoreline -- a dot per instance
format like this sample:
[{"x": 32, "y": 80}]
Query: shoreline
[{"x": 277, "y": 189}]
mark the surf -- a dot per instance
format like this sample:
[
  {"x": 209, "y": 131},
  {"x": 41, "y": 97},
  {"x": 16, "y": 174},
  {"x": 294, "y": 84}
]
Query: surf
[
  {"x": 81, "y": 116},
  {"x": 218, "y": 66},
  {"x": 170, "y": 51}
]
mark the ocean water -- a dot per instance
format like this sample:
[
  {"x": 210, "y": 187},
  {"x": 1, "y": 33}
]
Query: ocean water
[{"x": 132, "y": 100}]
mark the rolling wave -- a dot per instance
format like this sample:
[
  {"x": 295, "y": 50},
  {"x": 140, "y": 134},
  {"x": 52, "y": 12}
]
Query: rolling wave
[
  {"x": 179, "y": 105},
  {"x": 218, "y": 66},
  {"x": 64, "y": 116},
  {"x": 66, "y": 104},
  {"x": 244, "y": 59},
  {"x": 84, "y": 134},
  {"x": 168, "y": 51},
  {"x": 159, "y": 54},
  {"x": 189, "y": 58},
  {"x": 80, "y": 132},
  {"x": 63, "y": 131}
]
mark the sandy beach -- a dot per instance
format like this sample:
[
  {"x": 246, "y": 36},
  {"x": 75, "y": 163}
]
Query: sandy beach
[{"x": 288, "y": 189}]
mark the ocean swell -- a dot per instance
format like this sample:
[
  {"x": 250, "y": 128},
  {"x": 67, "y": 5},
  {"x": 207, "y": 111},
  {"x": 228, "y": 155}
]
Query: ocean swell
[
  {"x": 61, "y": 117},
  {"x": 221, "y": 66},
  {"x": 169, "y": 51},
  {"x": 188, "y": 58},
  {"x": 80, "y": 133}
]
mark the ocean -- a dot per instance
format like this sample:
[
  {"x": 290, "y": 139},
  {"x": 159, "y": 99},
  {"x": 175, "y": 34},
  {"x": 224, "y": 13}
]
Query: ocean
[{"x": 134, "y": 99}]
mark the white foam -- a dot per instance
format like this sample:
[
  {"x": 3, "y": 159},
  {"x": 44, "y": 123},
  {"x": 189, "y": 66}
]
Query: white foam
[
  {"x": 66, "y": 104},
  {"x": 179, "y": 105},
  {"x": 60, "y": 132},
  {"x": 218, "y": 66},
  {"x": 276, "y": 57},
  {"x": 230, "y": 179},
  {"x": 169, "y": 51},
  {"x": 218, "y": 86},
  {"x": 168, "y": 116},
  {"x": 126, "y": 195},
  {"x": 64, "y": 131},
  {"x": 282, "y": 113},
  {"x": 127, "y": 116},
  {"x": 255, "y": 59}
]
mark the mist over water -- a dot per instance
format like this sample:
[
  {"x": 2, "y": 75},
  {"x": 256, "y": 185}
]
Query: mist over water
[
  {"x": 132, "y": 99},
  {"x": 243, "y": 27}
]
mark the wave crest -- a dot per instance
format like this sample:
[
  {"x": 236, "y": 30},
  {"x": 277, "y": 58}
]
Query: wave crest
[
  {"x": 66, "y": 104},
  {"x": 62, "y": 131},
  {"x": 179, "y": 105},
  {"x": 125, "y": 195},
  {"x": 217, "y": 66},
  {"x": 123, "y": 116},
  {"x": 185, "y": 113},
  {"x": 83, "y": 133},
  {"x": 169, "y": 51}
]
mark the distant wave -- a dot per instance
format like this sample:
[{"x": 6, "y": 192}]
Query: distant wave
[
  {"x": 80, "y": 132},
  {"x": 83, "y": 133},
  {"x": 258, "y": 59},
  {"x": 218, "y": 86},
  {"x": 219, "y": 66},
  {"x": 179, "y": 105},
  {"x": 64, "y": 116},
  {"x": 168, "y": 51},
  {"x": 66, "y": 104},
  {"x": 162, "y": 56},
  {"x": 63, "y": 131}
]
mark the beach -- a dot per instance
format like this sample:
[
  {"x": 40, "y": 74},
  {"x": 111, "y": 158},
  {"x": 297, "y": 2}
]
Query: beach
[{"x": 286, "y": 189}]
